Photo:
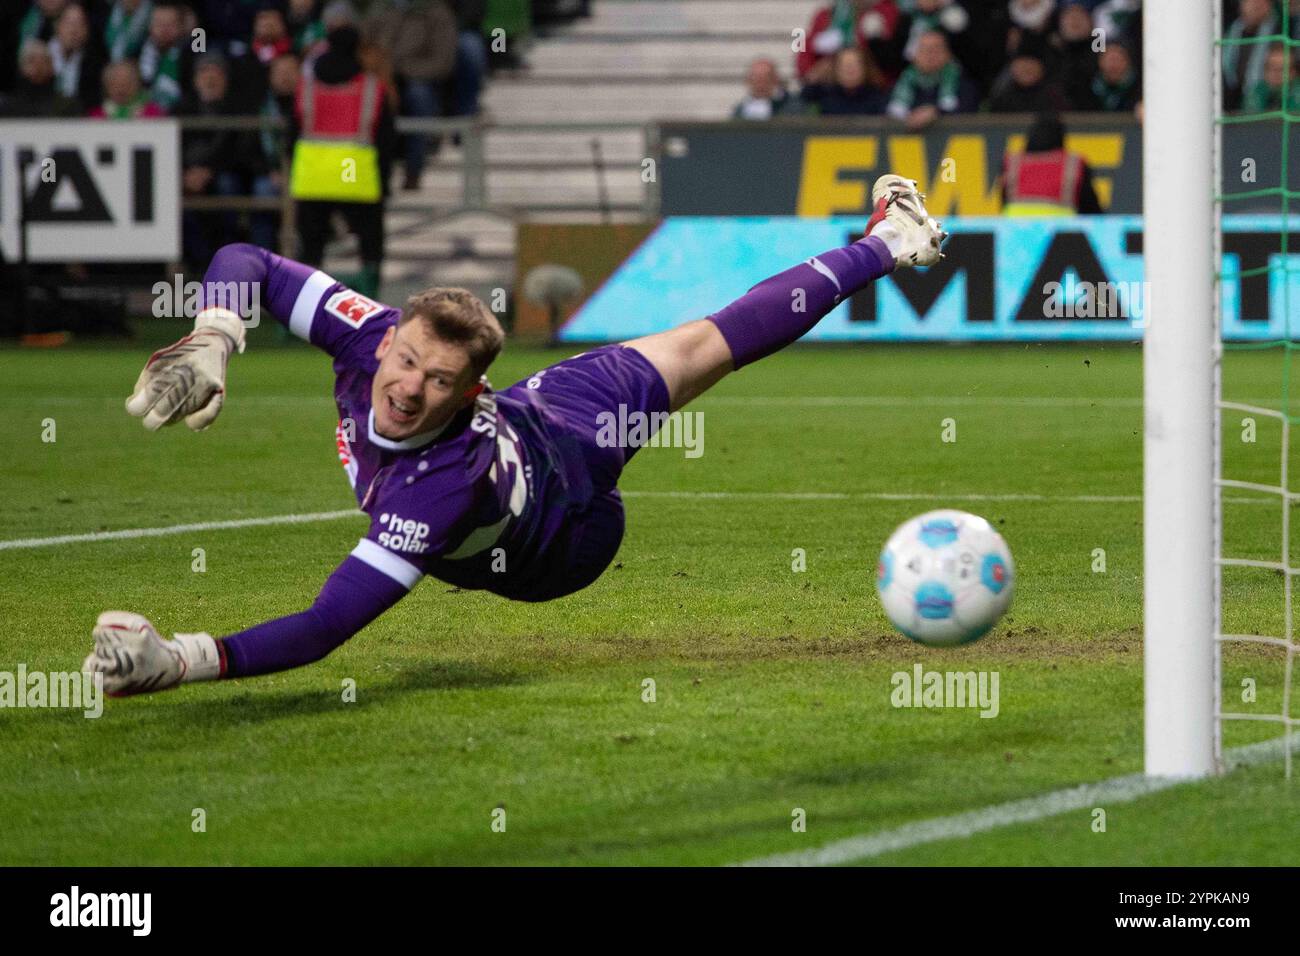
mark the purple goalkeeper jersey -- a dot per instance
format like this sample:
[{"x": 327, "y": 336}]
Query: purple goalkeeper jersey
[{"x": 477, "y": 503}]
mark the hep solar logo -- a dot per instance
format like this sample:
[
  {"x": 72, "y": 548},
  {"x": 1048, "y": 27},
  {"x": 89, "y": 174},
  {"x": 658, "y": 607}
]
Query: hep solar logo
[{"x": 404, "y": 534}]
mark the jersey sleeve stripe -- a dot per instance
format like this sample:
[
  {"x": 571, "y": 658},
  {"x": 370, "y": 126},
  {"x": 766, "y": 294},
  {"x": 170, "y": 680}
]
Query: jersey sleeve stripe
[
  {"x": 825, "y": 270},
  {"x": 384, "y": 561},
  {"x": 307, "y": 303}
]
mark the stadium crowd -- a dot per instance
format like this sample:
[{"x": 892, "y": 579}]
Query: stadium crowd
[
  {"x": 918, "y": 60},
  {"x": 119, "y": 59},
  {"x": 139, "y": 59}
]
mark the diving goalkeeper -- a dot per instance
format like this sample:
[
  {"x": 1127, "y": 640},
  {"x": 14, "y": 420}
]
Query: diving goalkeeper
[{"x": 509, "y": 492}]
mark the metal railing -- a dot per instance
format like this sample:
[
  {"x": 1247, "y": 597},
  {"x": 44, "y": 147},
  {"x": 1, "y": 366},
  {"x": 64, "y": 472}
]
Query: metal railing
[{"x": 473, "y": 166}]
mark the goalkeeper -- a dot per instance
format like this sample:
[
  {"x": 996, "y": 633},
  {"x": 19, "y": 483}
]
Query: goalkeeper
[{"x": 509, "y": 492}]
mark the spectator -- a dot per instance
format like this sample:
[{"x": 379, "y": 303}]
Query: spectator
[
  {"x": 471, "y": 56},
  {"x": 375, "y": 59},
  {"x": 248, "y": 59},
  {"x": 307, "y": 28},
  {"x": 858, "y": 87},
  {"x": 1279, "y": 71},
  {"x": 873, "y": 25},
  {"x": 340, "y": 105},
  {"x": 229, "y": 24},
  {"x": 420, "y": 38},
  {"x": 247, "y": 55},
  {"x": 268, "y": 171},
  {"x": 270, "y": 35},
  {"x": 36, "y": 94},
  {"x": 1243, "y": 64},
  {"x": 214, "y": 162},
  {"x": 283, "y": 83},
  {"x": 77, "y": 66},
  {"x": 1030, "y": 17},
  {"x": 1120, "y": 21},
  {"x": 39, "y": 22},
  {"x": 1115, "y": 89},
  {"x": 339, "y": 13},
  {"x": 127, "y": 29},
  {"x": 208, "y": 151},
  {"x": 1076, "y": 59},
  {"x": 1047, "y": 179},
  {"x": 165, "y": 58},
  {"x": 124, "y": 94},
  {"x": 946, "y": 16},
  {"x": 932, "y": 86},
  {"x": 1025, "y": 86},
  {"x": 766, "y": 95}
]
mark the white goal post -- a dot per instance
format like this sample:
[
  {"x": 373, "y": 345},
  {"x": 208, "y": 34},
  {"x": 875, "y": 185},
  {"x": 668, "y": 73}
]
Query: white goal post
[{"x": 1181, "y": 350}]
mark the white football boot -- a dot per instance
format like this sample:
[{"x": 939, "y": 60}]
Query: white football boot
[{"x": 913, "y": 237}]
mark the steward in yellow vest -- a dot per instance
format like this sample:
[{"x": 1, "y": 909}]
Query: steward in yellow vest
[
  {"x": 335, "y": 156},
  {"x": 343, "y": 149},
  {"x": 1046, "y": 179}
]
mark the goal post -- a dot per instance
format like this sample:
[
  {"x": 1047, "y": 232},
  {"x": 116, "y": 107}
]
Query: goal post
[{"x": 1181, "y": 347}]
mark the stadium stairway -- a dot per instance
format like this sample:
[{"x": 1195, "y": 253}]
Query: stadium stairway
[{"x": 631, "y": 62}]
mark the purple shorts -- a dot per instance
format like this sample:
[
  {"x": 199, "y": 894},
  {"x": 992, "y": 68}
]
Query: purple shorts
[
  {"x": 592, "y": 390},
  {"x": 585, "y": 392}
]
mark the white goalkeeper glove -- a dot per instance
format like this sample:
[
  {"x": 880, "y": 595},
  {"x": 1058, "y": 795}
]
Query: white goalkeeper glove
[
  {"x": 188, "y": 378},
  {"x": 135, "y": 659}
]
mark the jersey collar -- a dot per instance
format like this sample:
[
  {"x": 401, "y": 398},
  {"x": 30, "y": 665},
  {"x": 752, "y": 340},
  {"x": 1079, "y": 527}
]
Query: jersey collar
[{"x": 406, "y": 444}]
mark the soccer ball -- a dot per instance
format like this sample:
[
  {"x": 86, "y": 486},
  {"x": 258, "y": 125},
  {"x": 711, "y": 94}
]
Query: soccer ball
[{"x": 945, "y": 577}]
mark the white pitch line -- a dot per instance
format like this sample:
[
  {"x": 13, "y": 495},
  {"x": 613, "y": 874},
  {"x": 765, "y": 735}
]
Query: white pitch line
[
  {"x": 129, "y": 533},
  {"x": 904, "y": 401},
  {"x": 818, "y": 401},
  {"x": 884, "y": 496},
  {"x": 175, "y": 529},
  {"x": 1029, "y": 810}
]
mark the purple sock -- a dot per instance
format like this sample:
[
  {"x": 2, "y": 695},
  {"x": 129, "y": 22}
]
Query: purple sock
[{"x": 764, "y": 320}]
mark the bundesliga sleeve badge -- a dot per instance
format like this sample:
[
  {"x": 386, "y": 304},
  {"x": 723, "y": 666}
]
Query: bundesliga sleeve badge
[{"x": 352, "y": 307}]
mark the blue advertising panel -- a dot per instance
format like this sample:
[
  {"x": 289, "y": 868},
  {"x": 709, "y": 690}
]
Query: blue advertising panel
[{"x": 1003, "y": 279}]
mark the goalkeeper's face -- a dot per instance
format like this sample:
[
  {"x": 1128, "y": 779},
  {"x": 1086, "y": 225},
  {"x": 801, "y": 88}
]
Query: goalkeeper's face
[{"x": 422, "y": 381}]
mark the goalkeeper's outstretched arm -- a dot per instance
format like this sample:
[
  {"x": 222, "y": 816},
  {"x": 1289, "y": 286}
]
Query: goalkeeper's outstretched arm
[
  {"x": 187, "y": 380},
  {"x": 134, "y": 658}
]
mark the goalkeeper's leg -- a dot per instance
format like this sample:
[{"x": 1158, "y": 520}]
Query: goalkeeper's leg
[{"x": 778, "y": 311}]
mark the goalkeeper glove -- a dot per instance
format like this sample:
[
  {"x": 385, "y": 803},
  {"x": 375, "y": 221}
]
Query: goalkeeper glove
[
  {"x": 135, "y": 659},
  {"x": 188, "y": 379}
]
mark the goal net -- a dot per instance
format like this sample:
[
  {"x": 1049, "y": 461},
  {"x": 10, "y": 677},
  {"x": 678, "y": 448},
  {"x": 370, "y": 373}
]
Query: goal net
[{"x": 1219, "y": 567}]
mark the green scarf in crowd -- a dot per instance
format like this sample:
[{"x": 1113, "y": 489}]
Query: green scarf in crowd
[
  {"x": 312, "y": 33},
  {"x": 164, "y": 67},
  {"x": 125, "y": 34},
  {"x": 842, "y": 21},
  {"x": 31, "y": 26},
  {"x": 913, "y": 82}
]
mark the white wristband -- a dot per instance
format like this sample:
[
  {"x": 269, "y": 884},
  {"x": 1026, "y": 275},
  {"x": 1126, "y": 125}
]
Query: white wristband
[
  {"x": 201, "y": 656},
  {"x": 224, "y": 321}
]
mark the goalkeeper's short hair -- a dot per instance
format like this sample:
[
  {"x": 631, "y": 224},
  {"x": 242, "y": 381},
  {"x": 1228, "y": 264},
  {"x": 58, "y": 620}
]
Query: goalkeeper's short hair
[{"x": 460, "y": 317}]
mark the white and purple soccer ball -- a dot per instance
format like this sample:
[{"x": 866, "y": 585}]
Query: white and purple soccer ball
[{"x": 945, "y": 577}]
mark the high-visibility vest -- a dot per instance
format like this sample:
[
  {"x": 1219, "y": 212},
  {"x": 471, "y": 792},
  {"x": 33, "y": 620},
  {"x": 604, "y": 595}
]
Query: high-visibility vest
[
  {"x": 1043, "y": 184},
  {"x": 335, "y": 157}
]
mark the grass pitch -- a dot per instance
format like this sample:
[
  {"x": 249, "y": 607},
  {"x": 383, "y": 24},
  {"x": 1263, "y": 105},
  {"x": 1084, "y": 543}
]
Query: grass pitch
[{"x": 772, "y": 686}]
